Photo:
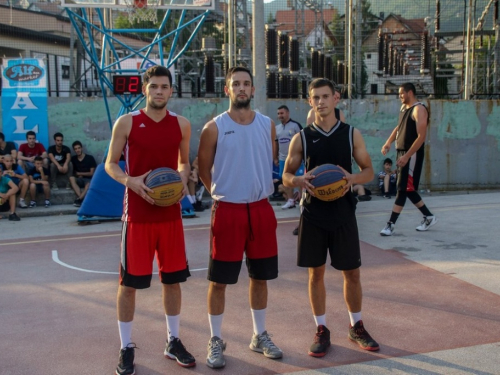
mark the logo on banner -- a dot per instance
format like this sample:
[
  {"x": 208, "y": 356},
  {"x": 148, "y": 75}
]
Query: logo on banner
[{"x": 25, "y": 73}]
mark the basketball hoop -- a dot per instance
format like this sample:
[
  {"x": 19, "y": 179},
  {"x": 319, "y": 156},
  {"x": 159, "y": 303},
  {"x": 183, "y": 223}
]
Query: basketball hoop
[{"x": 142, "y": 10}]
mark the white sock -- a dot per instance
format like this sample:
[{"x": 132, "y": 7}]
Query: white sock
[
  {"x": 354, "y": 317},
  {"x": 291, "y": 201},
  {"x": 125, "y": 329},
  {"x": 215, "y": 325},
  {"x": 320, "y": 320},
  {"x": 173, "y": 322},
  {"x": 191, "y": 199},
  {"x": 259, "y": 321}
]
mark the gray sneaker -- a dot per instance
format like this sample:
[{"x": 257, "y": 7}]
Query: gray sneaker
[
  {"x": 263, "y": 344},
  {"x": 428, "y": 222},
  {"x": 388, "y": 229},
  {"x": 215, "y": 357}
]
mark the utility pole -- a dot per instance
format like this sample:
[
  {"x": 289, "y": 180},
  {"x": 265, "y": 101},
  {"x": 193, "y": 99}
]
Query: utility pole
[{"x": 258, "y": 53}]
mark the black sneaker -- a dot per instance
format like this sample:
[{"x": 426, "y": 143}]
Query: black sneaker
[
  {"x": 321, "y": 342},
  {"x": 14, "y": 217},
  {"x": 360, "y": 335},
  {"x": 126, "y": 362},
  {"x": 175, "y": 350},
  {"x": 296, "y": 231},
  {"x": 198, "y": 206},
  {"x": 77, "y": 202}
]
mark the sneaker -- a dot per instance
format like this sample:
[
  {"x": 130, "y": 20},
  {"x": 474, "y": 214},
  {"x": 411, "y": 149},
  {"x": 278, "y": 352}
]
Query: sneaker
[
  {"x": 296, "y": 231},
  {"x": 427, "y": 223},
  {"x": 22, "y": 203},
  {"x": 77, "y": 202},
  {"x": 68, "y": 187},
  {"x": 360, "y": 335},
  {"x": 388, "y": 230},
  {"x": 14, "y": 217},
  {"x": 388, "y": 196},
  {"x": 321, "y": 342},
  {"x": 126, "y": 361},
  {"x": 54, "y": 186},
  {"x": 32, "y": 204},
  {"x": 263, "y": 344},
  {"x": 364, "y": 198},
  {"x": 289, "y": 204},
  {"x": 175, "y": 350},
  {"x": 47, "y": 203},
  {"x": 198, "y": 206},
  {"x": 215, "y": 357}
]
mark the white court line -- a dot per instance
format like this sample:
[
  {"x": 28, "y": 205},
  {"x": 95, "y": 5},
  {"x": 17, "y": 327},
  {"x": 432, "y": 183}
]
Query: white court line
[{"x": 55, "y": 258}]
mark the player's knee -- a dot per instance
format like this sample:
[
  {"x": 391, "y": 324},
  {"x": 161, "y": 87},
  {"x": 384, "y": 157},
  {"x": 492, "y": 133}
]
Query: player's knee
[
  {"x": 414, "y": 197},
  {"x": 352, "y": 276},
  {"x": 400, "y": 198}
]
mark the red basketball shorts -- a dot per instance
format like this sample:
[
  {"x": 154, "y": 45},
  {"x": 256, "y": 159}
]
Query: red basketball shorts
[
  {"x": 140, "y": 242},
  {"x": 243, "y": 228}
]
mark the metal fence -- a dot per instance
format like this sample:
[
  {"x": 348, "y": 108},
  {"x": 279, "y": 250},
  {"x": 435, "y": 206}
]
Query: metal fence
[{"x": 448, "y": 48}]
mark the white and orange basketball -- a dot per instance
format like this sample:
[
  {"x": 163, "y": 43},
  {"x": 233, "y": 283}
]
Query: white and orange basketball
[
  {"x": 167, "y": 186},
  {"x": 328, "y": 182}
]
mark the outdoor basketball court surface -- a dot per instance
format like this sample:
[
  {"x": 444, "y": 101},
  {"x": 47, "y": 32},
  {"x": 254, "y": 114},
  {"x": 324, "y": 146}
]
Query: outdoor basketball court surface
[{"x": 431, "y": 299}]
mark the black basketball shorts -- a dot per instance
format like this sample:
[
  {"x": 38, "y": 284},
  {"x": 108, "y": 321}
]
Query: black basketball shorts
[{"x": 314, "y": 244}]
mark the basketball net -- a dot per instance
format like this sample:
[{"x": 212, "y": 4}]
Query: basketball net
[{"x": 142, "y": 10}]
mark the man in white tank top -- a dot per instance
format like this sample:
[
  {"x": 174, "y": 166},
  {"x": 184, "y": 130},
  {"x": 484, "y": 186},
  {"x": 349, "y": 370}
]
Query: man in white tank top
[{"x": 235, "y": 159}]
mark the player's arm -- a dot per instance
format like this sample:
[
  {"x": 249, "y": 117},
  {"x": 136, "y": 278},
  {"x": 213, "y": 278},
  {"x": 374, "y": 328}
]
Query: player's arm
[
  {"x": 387, "y": 145},
  {"x": 420, "y": 117},
  {"x": 274, "y": 142},
  {"x": 183, "y": 164},
  {"x": 206, "y": 153},
  {"x": 311, "y": 116},
  {"x": 119, "y": 136},
  {"x": 362, "y": 158},
  {"x": 292, "y": 164}
]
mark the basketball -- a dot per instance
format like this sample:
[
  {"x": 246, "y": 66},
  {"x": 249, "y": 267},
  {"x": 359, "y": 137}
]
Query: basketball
[
  {"x": 167, "y": 186},
  {"x": 328, "y": 182}
]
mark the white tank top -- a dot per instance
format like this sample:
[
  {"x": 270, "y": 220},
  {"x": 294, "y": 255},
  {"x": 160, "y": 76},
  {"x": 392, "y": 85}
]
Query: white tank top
[{"x": 243, "y": 164}]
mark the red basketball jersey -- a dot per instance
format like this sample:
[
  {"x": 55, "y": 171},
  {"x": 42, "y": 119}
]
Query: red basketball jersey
[{"x": 150, "y": 145}]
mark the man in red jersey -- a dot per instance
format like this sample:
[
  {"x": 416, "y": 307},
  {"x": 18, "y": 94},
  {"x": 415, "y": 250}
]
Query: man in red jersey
[{"x": 150, "y": 138}]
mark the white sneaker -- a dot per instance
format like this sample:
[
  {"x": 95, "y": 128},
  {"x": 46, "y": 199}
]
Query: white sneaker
[
  {"x": 22, "y": 203},
  {"x": 289, "y": 204},
  {"x": 428, "y": 222},
  {"x": 263, "y": 344},
  {"x": 388, "y": 230}
]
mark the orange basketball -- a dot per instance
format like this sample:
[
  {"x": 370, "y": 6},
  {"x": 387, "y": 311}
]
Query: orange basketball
[{"x": 167, "y": 186}]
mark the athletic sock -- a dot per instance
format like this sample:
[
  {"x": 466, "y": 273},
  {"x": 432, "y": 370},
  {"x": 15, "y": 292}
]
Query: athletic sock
[
  {"x": 320, "y": 320},
  {"x": 215, "y": 325},
  {"x": 354, "y": 317},
  {"x": 259, "y": 321},
  {"x": 425, "y": 211},
  {"x": 125, "y": 329},
  {"x": 191, "y": 199},
  {"x": 173, "y": 322},
  {"x": 394, "y": 217}
]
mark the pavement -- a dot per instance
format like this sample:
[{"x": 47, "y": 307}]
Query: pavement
[{"x": 443, "y": 285}]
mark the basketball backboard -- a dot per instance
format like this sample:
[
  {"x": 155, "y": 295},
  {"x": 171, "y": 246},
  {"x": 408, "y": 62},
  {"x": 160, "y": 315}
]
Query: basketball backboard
[{"x": 158, "y": 4}]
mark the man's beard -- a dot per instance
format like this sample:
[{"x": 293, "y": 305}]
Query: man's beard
[
  {"x": 153, "y": 105},
  {"x": 241, "y": 104}
]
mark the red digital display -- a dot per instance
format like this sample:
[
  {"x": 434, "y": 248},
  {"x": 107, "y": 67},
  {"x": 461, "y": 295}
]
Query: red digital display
[{"x": 124, "y": 84}]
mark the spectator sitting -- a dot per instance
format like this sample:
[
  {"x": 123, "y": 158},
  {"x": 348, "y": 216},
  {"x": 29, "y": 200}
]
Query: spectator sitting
[
  {"x": 29, "y": 151},
  {"x": 39, "y": 182},
  {"x": 7, "y": 148},
  {"x": 361, "y": 193},
  {"x": 18, "y": 176},
  {"x": 195, "y": 197},
  {"x": 387, "y": 179},
  {"x": 60, "y": 161},
  {"x": 8, "y": 190},
  {"x": 83, "y": 168}
]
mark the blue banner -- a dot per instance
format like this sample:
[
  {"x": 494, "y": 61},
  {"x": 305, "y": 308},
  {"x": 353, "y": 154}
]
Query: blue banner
[{"x": 24, "y": 100}]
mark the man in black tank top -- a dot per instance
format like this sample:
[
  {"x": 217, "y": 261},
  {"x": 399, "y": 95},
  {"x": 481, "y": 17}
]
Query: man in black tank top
[
  {"x": 339, "y": 115},
  {"x": 330, "y": 227},
  {"x": 409, "y": 135}
]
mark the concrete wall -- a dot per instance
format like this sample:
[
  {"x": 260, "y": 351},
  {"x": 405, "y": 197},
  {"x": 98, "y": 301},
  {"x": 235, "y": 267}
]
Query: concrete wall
[{"x": 463, "y": 148}]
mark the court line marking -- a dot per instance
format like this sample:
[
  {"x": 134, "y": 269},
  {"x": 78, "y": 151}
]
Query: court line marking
[{"x": 55, "y": 258}]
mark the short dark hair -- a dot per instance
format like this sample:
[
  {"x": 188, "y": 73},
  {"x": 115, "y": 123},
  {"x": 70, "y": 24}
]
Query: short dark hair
[
  {"x": 38, "y": 158},
  {"x": 408, "y": 86},
  {"x": 284, "y": 107},
  {"x": 321, "y": 82},
  {"x": 31, "y": 132},
  {"x": 58, "y": 135},
  {"x": 2, "y": 136},
  {"x": 388, "y": 160},
  {"x": 77, "y": 143},
  {"x": 236, "y": 69},
  {"x": 156, "y": 71}
]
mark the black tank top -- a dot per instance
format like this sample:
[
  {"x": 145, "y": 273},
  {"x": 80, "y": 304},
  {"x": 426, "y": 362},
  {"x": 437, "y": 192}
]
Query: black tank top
[
  {"x": 407, "y": 129},
  {"x": 334, "y": 147}
]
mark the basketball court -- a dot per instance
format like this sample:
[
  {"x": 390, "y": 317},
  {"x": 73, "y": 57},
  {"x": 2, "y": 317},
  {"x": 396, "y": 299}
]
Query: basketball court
[{"x": 431, "y": 305}]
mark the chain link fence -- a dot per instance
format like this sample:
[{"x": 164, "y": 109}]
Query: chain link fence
[{"x": 448, "y": 48}]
